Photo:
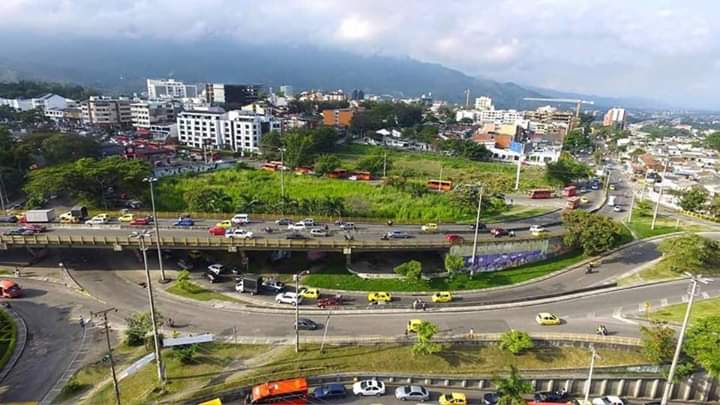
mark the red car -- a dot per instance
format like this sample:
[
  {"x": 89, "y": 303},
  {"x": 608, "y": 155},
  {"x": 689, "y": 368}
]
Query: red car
[
  {"x": 333, "y": 301},
  {"x": 36, "y": 228},
  {"x": 10, "y": 289},
  {"x": 454, "y": 239},
  {"x": 217, "y": 231},
  {"x": 141, "y": 221}
]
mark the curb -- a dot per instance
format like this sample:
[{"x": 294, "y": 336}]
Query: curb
[
  {"x": 67, "y": 374},
  {"x": 19, "y": 343}
]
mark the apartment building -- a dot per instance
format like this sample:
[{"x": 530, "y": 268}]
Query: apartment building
[
  {"x": 232, "y": 95},
  {"x": 615, "y": 117},
  {"x": 148, "y": 113},
  {"x": 484, "y": 103},
  {"x": 46, "y": 102},
  {"x": 498, "y": 117},
  {"x": 236, "y": 130},
  {"x": 169, "y": 88},
  {"x": 341, "y": 117},
  {"x": 106, "y": 111}
]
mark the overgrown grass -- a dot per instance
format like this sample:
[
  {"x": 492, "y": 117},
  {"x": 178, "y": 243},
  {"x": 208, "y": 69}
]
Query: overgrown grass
[
  {"x": 641, "y": 225},
  {"x": 659, "y": 271},
  {"x": 8, "y": 337},
  {"x": 337, "y": 277},
  {"x": 188, "y": 289},
  {"x": 675, "y": 313}
]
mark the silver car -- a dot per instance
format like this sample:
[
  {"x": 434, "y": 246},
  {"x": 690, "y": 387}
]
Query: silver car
[{"x": 412, "y": 393}]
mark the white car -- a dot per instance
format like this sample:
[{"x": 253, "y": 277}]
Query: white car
[
  {"x": 238, "y": 233},
  {"x": 369, "y": 388},
  {"x": 318, "y": 232},
  {"x": 97, "y": 220},
  {"x": 608, "y": 400},
  {"x": 536, "y": 229},
  {"x": 298, "y": 226},
  {"x": 309, "y": 222},
  {"x": 216, "y": 269},
  {"x": 240, "y": 219},
  {"x": 288, "y": 298},
  {"x": 617, "y": 208}
]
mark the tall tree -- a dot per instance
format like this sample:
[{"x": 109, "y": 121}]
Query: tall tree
[
  {"x": 592, "y": 233},
  {"x": 424, "y": 344},
  {"x": 512, "y": 388},
  {"x": 693, "y": 199},
  {"x": 270, "y": 145},
  {"x": 703, "y": 343},
  {"x": 658, "y": 341},
  {"x": 692, "y": 253},
  {"x": 326, "y": 163},
  {"x": 298, "y": 149}
]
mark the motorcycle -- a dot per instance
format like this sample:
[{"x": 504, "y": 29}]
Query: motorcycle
[
  {"x": 267, "y": 229},
  {"x": 602, "y": 331}
]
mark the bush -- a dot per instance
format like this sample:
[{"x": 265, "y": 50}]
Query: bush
[
  {"x": 185, "y": 353},
  {"x": 72, "y": 387},
  {"x": 411, "y": 270},
  {"x": 658, "y": 342},
  {"x": 515, "y": 342}
]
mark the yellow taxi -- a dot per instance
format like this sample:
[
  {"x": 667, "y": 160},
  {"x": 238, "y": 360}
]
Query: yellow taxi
[
  {"x": 102, "y": 216},
  {"x": 224, "y": 224},
  {"x": 546, "y": 318},
  {"x": 126, "y": 217},
  {"x": 379, "y": 296},
  {"x": 442, "y": 296},
  {"x": 310, "y": 293},
  {"x": 584, "y": 200},
  {"x": 413, "y": 325},
  {"x": 431, "y": 227},
  {"x": 453, "y": 398}
]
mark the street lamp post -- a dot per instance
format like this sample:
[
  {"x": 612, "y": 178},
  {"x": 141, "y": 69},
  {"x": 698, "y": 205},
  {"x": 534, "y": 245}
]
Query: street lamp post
[
  {"x": 140, "y": 236},
  {"x": 150, "y": 180},
  {"x": 110, "y": 356},
  {"x": 588, "y": 383},
  {"x": 477, "y": 229},
  {"x": 694, "y": 280},
  {"x": 657, "y": 203},
  {"x": 297, "y": 307},
  {"x": 282, "y": 179}
]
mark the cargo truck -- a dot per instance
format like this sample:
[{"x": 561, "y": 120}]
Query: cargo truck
[
  {"x": 248, "y": 284},
  {"x": 40, "y": 216},
  {"x": 76, "y": 215}
]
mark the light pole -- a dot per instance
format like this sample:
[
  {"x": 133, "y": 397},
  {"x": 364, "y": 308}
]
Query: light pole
[
  {"x": 632, "y": 205},
  {"x": 282, "y": 179},
  {"x": 440, "y": 182},
  {"x": 694, "y": 280},
  {"x": 477, "y": 229},
  {"x": 297, "y": 307},
  {"x": 517, "y": 174},
  {"x": 104, "y": 313},
  {"x": 140, "y": 236},
  {"x": 588, "y": 383},
  {"x": 657, "y": 203},
  {"x": 150, "y": 180}
]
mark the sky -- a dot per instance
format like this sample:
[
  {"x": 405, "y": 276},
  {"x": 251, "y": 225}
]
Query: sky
[{"x": 666, "y": 50}]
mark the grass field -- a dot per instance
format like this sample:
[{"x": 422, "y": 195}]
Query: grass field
[
  {"x": 641, "y": 225},
  {"x": 676, "y": 313},
  {"x": 336, "y": 277},
  {"x": 360, "y": 199},
  {"x": 653, "y": 273},
  {"x": 216, "y": 367},
  {"x": 194, "y": 291},
  {"x": 8, "y": 337}
]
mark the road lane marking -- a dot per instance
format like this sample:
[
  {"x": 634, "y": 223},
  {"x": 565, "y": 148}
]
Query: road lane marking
[
  {"x": 705, "y": 295},
  {"x": 684, "y": 298},
  {"x": 664, "y": 302},
  {"x": 591, "y": 315},
  {"x": 617, "y": 314},
  {"x": 641, "y": 307}
]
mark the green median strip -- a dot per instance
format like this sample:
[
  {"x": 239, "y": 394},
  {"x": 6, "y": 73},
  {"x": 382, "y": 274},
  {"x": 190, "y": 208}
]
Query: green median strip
[
  {"x": 8, "y": 337},
  {"x": 191, "y": 290},
  {"x": 676, "y": 313},
  {"x": 338, "y": 278}
]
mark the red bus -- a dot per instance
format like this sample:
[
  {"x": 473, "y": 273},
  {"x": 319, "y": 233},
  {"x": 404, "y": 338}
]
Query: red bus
[
  {"x": 540, "y": 193},
  {"x": 293, "y": 391},
  {"x": 439, "y": 185},
  {"x": 570, "y": 191}
]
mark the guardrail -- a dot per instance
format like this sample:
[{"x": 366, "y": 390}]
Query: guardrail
[{"x": 118, "y": 242}]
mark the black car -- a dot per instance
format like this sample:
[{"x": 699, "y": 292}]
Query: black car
[
  {"x": 491, "y": 398},
  {"x": 20, "y": 232},
  {"x": 8, "y": 218},
  {"x": 306, "y": 324},
  {"x": 296, "y": 236},
  {"x": 551, "y": 396},
  {"x": 214, "y": 278},
  {"x": 481, "y": 227},
  {"x": 283, "y": 221},
  {"x": 273, "y": 286}
]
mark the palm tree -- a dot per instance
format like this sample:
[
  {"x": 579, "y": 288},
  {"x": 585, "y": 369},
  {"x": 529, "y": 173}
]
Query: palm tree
[
  {"x": 250, "y": 204},
  {"x": 512, "y": 388},
  {"x": 332, "y": 206}
]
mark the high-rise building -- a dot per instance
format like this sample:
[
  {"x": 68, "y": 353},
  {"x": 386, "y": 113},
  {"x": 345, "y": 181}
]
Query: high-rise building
[
  {"x": 106, "y": 111},
  {"x": 169, "y": 88},
  {"x": 357, "y": 95},
  {"x": 288, "y": 91},
  {"x": 615, "y": 117},
  {"x": 236, "y": 130},
  {"x": 484, "y": 103},
  {"x": 232, "y": 96}
]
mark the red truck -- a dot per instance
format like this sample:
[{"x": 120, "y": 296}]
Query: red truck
[{"x": 539, "y": 193}]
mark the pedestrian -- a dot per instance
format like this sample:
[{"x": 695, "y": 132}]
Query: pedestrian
[
  {"x": 414, "y": 305},
  {"x": 406, "y": 332},
  {"x": 82, "y": 322},
  {"x": 472, "y": 332},
  {"x": 424, "y": 305},
  {"x": 17, "y": 271}
]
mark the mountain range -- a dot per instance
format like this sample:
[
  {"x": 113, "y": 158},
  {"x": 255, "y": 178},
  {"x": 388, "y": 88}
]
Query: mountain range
[{"x": 122, "y": 65}]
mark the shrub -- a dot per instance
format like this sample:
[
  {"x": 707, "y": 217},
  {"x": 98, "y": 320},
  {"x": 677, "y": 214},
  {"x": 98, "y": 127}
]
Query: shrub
[
  {"x": 411, "y": 270},
  {"x": 515, "y": 341},
  {"x": 185, "y": 353}
]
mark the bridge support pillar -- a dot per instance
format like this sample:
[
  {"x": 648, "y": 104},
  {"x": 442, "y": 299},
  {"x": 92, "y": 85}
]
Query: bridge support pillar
[
  {"x": 347, "y": 252},
  {"x": 3, "y": 246}
]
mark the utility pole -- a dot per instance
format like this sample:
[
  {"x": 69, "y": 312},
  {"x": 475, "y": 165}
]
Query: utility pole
[
  {"x": 282, "y": 180},
  {"x": 657, "y": 203},
  {"x": 694, "y": 280},
  {"x": 3, "y": 197},
  {"x": 297, "y": 308},
  {"x": 477, "y": 228},
  {"x": 104, "y": 313},
  {"x": 632, "y": 206},
  {"x": 517, "y": 175},
  {"x": 385, "y": 164},
  {"x": 588, "y": 383},
  {"x": 150, "y": 180},
  {"x": 325, "y": 332},
  {"x": 140, "y": 236},
  {"x": 440, "y": 182},
  {"x": 467, "y": 98}
]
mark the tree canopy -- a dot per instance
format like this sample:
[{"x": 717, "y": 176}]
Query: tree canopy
[
  {"x": 693, "y": 199},
  {"x": 566, "y": 170},
  {"x": 378, "y": 115},
  {"x": 691, "y": 252},
  {"x": 590, "y": 232},
  {"x": 577, "y": 140},
  {"x": 30, "y": 89},
  {"x": 712, "y": 141},
  {"x": 467, "y": 149},
  {"x": 703, "y": 344}
]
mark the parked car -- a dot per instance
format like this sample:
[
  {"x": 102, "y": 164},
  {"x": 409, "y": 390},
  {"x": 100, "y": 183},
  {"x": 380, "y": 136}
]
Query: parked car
[
  {"x": 412, "y": 393},
  {"x": 396, "y": 234},
  {"x": 298, "y": 226},
  {"x": 320, "y": 232},
  {"x": 442, "y": 296},
  {"x": 380, "y": 296},
  {"x": 454, "y": 239},
  {"x": 288, "y": 298},
  {"x": 491, "y": 398},
  {"x": 431, "y": 227},
  {"x": 330, "y": 391},
  {"x": 296, "y": 236},
  {"x": 273, "y": 285},
  {"x": 369, "y": 388},
  {"x": 546, "y": 318},
  {"x": 306, "y": 324},
  {"x": 283, "y": 221},
  {"x": 453, "y": 398},
  {"x": 551, "y": 396},
  {"x": 142, "y": 221},
  {"x": 240, "y": 219},
  {"x": 8, "y": 218},
  {"x": 216, "y": 230},
  {"x": 608, "y": 400},
  {"x": 217, "y": 269},
  {"x": 184, "y": 221},
  {"x": 238, "y": 233}
]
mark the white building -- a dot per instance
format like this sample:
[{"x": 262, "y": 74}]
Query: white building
[
  {"x": 106, "y": 111},
  {"x": 288, "y": 91},
  {"x": 484, "y": 103},
  {"x": 147, "y": 113},
  {"x": 169, "y": 88},
  {"x": 162, "y": 131},
  {"x": 237, "y": 130},
  {"x": 46, "y": 102},
  {"x": 615, "y": 117}
]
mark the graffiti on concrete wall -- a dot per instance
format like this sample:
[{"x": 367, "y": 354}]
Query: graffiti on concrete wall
[
  {"x": 507, "y": 253},
  {"x": 499, "y": 261}
]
